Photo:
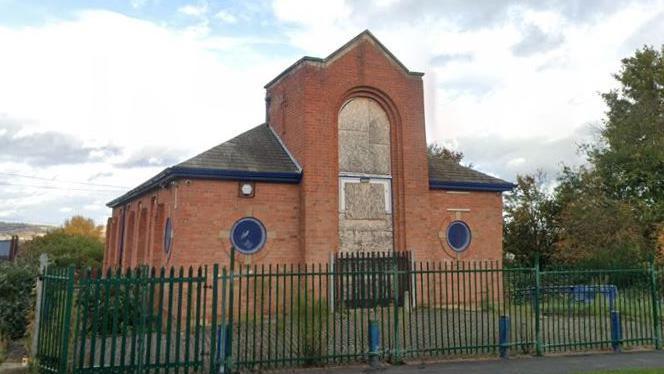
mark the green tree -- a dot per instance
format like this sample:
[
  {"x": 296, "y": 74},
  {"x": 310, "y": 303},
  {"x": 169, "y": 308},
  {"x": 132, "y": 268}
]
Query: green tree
[
  {"x": 436, "y": 150},
  {"x": 594, "y": 228},
  {"x": 79, "y": 225},
  {"x": 65, "y": 249},
  {"x": 630, "y": 157},
  {"x": 530, "y": 229}
]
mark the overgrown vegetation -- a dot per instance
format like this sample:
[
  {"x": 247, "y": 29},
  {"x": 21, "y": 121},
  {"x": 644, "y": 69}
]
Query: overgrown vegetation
[
  {"x": 609, "y": 212},
  {"x": 16, "y": 287},
  {"x": 77, "y": 243}
]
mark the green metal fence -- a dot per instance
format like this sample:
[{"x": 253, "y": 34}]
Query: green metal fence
[{"x": 283, "y": 316}]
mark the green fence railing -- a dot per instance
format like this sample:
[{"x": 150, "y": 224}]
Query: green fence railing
[{"x": 284, "y": 316}]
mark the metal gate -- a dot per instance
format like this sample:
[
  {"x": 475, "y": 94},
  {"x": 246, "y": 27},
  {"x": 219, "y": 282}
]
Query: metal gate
[
  {"x": 362, "y": 280},
  {"x": 55, "y": 320}
]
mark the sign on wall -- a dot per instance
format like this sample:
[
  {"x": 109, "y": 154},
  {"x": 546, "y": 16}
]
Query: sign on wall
[{"x": 248, "y": 235}]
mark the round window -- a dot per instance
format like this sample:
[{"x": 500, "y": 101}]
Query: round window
[
  {"x": 168, "y": 236},
  {"x": 248, "y": 235},
  {"x": 458, "y": 236}
]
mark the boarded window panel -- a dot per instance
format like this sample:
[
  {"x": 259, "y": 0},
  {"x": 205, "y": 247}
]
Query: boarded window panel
[
  {"x": 365, "y": 201},
  {"x": 364, "y": 138},
  {"x": 365, "y": 221}
]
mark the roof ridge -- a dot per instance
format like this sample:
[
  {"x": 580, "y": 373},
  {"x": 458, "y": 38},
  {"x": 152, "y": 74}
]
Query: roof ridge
[
  {"x": 297, "y": 164},
  {"x": 348, "y": 44}
]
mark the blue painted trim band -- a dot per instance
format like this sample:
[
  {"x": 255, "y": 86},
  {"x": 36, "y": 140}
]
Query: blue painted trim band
[
  {"x": 175, "y": 172},
  {"x": 471, "y": 186}
]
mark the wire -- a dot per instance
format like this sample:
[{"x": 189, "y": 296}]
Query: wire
[
  {"x": 57, "y": 188},
  {"x": 62, "y": 181}
]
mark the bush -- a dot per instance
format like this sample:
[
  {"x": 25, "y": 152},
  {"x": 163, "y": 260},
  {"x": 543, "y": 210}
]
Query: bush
[
  {"x": 16, "y": 298},
  {"x": 65, "y": 249}
]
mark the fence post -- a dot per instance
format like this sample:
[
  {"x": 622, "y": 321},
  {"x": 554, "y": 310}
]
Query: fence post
[
  {"x": 616, "y": 331},
  {"x": 374, "y": 342},
  {"x": 538, "y": 323},
  {"x": 655, "y": 306},
  {"x": 504, "y": 336},
  {"x": 69, "y": 299},
  {"x": 213, "y": 327},
  {"x": 43, "y": 262},
  {"x": 396, "y": 355}
]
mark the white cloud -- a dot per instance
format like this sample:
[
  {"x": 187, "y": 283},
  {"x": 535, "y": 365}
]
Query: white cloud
[
  {"x": 159, "y": 93},
  {"x": 194, "y": 10},
  {"x": 568, "y": 55},
  {"x": 103, "y": 78},
  {"x": 225, "y": 17}
]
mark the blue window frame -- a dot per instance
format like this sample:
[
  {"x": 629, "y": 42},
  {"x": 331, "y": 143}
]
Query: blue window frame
[{"x": 458, "y": 236}]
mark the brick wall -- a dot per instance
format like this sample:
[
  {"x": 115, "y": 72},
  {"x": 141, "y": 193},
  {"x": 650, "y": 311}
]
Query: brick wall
[
  {"x": 482, "y": 211},
  {"x": 314, "y": 93},
  {"x": 302, "y": 220},
  {"x": 202, "y": 213}
]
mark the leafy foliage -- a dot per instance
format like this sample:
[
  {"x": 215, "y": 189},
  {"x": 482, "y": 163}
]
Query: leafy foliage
[
  {"x": 16, "y": 299},
  {"x": 530, "y": 227},
  {"x": 630, "y": 160},
  {"x": 65, "y": 249},
  {"x": 610, "y": 212},
  {"x": 436, "y": 150},
  {"x": 79, "y": 225},
  {"x": 596, "y": 229}
]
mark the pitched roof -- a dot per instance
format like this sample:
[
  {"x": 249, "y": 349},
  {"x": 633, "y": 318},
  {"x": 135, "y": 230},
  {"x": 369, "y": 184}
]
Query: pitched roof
[
  {"x": 257, "y": 150},
  {"x": 256, "y": 155},
  {"x": 449, "y": 175},
  {"x": 366, "y": 34}
]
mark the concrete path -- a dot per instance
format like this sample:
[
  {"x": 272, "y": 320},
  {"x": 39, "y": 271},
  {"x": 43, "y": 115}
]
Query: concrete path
[
  {"x": 13, "y": 368},
  {"x": 537, "y": 365}
]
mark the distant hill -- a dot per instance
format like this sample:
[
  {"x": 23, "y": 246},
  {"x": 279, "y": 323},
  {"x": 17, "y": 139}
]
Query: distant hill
[{"x": 23, "y": 230}]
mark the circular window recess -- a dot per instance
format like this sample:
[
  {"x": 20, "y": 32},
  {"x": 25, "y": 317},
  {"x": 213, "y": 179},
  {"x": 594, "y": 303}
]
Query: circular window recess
[
  {"x": 248, "y": 235},
  {"x": 168, "y": 236},
  {"x": 458, "y": 236}
]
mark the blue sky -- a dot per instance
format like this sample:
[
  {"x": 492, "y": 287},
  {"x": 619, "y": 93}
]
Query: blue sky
[{"x": 97, "y": 96}]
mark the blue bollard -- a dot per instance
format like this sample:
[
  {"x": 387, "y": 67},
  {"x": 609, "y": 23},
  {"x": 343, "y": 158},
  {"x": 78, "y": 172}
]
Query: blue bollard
[
  {"x": 221, "y": 338},
  {"x": 223, "y": 348},
  {"x": 504, "y": 336},
  {"x": 374, "y": 343},
  {"x": 616, "y": 331}
]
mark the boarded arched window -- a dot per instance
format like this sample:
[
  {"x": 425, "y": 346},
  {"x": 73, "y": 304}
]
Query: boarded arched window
[
  {"x": 364, "y": 138},
  {"x": 365, "y": 186}
]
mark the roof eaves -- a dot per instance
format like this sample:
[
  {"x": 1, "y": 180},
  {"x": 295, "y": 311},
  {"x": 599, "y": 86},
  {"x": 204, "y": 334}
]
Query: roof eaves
[
  {"x": 471, "y": 186},
  {"x": 172, "y": 173}
]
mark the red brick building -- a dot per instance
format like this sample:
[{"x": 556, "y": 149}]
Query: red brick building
[{"x": 340, "y": 165}]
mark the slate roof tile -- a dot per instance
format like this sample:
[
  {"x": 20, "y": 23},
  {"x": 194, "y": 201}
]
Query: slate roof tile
[
  {"x": 445, "y": 170},
  {"x": 256, "y": 150}
]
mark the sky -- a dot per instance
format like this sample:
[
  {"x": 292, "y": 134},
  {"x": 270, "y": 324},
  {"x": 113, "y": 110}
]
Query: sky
[{"x": 98, "y": 96}]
